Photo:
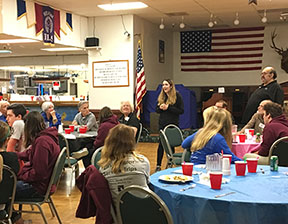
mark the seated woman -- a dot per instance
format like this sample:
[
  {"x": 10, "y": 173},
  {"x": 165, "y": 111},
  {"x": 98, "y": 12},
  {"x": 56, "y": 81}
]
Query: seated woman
[
  {"x": 41, "y": 155},
  {"x": 118, "y": 155},
  {"x": 214, "y": 137},
  {"x": 128, "y": 117},
  {"x": 107, "y": 121},
  {"x": 50, "y": 115}
]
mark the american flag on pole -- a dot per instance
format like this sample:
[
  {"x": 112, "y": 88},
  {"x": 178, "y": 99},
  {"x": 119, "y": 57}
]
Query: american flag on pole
[
  {"x": 140, "y": 81},
  {"x": 238, "y": 49}
]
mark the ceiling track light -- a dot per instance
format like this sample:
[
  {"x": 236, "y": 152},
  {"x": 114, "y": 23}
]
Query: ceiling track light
[
  {"x": 162, "y": 26},
  {"x": 264, "y": 18},
  {"x": 182, "y": 24},
  {"x": 211, "y": 23},
  {"x": 236, "y": 21}
]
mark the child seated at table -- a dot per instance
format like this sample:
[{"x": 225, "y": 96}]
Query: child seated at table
[{"x": 214, "y": 137}]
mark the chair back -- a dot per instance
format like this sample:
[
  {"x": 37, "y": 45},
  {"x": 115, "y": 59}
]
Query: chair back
[
  {"x": 186, "y": 155},
  {"x": 139, "y": 132},
  {"x": 136, "y": 204},
  {"x": 166, "y": 145},
  {"x": 96, "y": 157},
  {"x": 280, "y": 148},
  {"x": 57, "y": 171},
  {"x": 8, "y": 189},
  {"x": 174, "y": 135},
  {"x": 64, "y": 143}
]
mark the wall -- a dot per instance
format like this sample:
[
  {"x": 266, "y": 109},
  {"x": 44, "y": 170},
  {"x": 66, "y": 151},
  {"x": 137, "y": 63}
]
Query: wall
[
  {"x": 114, "y": 46},
  {"x": 270, "y": 58},
  {"x": 150, "y": 34},
  {"x": 12, "y": 26},
  {"x": 1, "y": 17}
]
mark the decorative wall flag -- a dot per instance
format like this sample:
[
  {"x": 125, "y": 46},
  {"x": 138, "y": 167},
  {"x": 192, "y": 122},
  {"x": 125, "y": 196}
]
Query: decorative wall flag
[
  {"x": 39, "y": 19},
  {"x": 238, "y": 49},
  {"x": 63, "y": 25},
  {"x": 48, "y": 25},
  {"x": 69, "y": 20},
  {"x": 30, "y": 15},
  {"x": 57, "y": 23},
  {"x": 140, "y": 81},
  {"x": 21, "y": 9}
]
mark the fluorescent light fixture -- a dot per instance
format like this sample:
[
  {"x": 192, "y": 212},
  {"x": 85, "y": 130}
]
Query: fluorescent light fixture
[
  {"x": 62, "y": 49},
  {"x": 17, "y": 41},
  {"x": 5, "y": 51},
  {"x": 122, "y": 6}
]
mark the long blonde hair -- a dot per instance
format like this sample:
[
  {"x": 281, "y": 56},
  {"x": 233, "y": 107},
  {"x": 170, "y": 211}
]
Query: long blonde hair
[
  {"x": 168, "y": 99},
  {"x": 216, "y": 120},
  {"x": 119, "y": 143}
]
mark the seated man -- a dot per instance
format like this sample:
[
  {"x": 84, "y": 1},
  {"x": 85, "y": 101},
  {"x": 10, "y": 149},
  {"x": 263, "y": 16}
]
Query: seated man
[
  {"x": 276, "y": 126},
  {"x": 256, "y": 122},
  {"x": 3, "y": 110},
  {"x": 15, "y": 114},
  {"x": 85, "y": 117}
]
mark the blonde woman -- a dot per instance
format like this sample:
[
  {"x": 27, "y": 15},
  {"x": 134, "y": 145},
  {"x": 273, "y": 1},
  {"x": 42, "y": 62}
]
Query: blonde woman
[
  {"x": 214, "y": 137},
  {"x": 128, "y": 117},
  {"x": 118, "y": 154},
  {"x": 170, "y": 106}
]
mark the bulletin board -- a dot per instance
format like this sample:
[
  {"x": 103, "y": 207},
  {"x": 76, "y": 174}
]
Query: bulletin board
[{"x": 110, "y": 73}]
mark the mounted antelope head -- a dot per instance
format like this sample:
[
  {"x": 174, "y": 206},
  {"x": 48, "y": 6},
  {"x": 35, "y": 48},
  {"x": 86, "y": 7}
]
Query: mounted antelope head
[{"x": 280, "y": 51}]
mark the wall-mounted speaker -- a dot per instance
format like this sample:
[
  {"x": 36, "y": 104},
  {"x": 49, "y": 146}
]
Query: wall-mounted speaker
[{"x": 91, "y": 42}]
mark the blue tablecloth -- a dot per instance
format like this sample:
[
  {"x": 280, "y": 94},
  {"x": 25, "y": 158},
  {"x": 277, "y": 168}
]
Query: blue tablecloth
[{"x": 259, "y": 198}]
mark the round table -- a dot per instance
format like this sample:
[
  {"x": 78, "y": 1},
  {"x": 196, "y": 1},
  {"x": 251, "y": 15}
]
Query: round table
[
  {"x": 240, "y": 149},
  {"x": 260, "y": 197}
]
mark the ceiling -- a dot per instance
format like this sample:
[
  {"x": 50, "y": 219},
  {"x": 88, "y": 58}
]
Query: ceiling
[{"x": 196, "y": 15}]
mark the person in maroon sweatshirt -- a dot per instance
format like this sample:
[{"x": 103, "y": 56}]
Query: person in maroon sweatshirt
[
  {"x": 40, "y": 156},
  {"x": 107, "y": 121},
  {"x": 276, "y": 126}
]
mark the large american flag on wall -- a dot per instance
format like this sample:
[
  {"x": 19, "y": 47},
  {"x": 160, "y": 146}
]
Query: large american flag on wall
[{"x": 238, "y": 49}]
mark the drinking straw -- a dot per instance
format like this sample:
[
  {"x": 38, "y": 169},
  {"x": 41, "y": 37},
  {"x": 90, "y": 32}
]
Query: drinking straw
[
  {"x": 222, "y": 152},
  {"x": 244, "y": 158}
]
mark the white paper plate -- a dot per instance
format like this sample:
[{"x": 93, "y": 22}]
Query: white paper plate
[
  {"x": 194, "y": 172},
  {"x": 172, "y": 178}
]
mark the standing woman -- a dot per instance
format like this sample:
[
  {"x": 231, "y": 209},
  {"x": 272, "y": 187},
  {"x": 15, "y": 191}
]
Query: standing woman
[{"x": 170, "y": 106}]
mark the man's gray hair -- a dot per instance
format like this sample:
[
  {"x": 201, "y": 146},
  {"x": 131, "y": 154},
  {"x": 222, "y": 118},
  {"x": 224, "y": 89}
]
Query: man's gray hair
[{"x": 82, "y": 103}]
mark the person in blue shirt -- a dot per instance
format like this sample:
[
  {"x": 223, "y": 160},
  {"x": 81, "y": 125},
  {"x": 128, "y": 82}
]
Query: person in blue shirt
[
  {"x": 214, "y": 137},
  {"x": 50, "y": 115},
  {"x": 3, "y": 110}
]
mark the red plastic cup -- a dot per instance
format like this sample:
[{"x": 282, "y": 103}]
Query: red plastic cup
[
  {"x": 252, "y": 164},
  {"x": 228, "y": 156},
  {"x": 71, "y": 127},
  {"x": 50, "y": 97},
  {"x": 240, "y": 167},
  {"x": 82, "y": 130},
  {"x": 32, "y": 97},
  {"x": 242, "y": 138},
  {"x": 251, "y": 132},
  {"x": 216, "y": 180},
  {"x": 187, "y": 169},
  {"x": 67, "y": 130}
]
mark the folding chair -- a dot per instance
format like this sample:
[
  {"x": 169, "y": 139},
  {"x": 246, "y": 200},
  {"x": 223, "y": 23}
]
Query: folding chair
[
  {"x": 96, "y": 157},
  {"x": 280, "y": 148},
  {"x": 54, "y": 180},
  {"x": 7, "y": 195},
  {"x": 140, "y": 205},
  {"x": 70, "y": 162},
  {"x": 139, "y": 133}
]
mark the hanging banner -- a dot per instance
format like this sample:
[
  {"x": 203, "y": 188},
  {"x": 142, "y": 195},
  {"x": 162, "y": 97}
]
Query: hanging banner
[{"x": 48, "y": 25}]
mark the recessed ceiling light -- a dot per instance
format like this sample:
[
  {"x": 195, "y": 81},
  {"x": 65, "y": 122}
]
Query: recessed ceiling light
[
  {"x": 122, "y": 6},
  {"x": 62, "y": 49},
  {"x": 17, "y": 41},
  {"x": 5, "y": 51}
]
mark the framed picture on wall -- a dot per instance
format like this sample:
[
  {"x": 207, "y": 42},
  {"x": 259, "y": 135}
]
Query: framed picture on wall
[{"x": 161, "y": 51}]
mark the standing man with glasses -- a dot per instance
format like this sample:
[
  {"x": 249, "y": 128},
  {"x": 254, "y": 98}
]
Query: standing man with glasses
[{"x": 268, "y": 90}]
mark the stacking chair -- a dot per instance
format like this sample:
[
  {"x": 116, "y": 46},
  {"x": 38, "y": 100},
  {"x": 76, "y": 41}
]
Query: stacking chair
[
  {"x": 54, "y": 180},
  {"x": 139, "y": 133},
  {"x": 140, "y": 205},
  {"x": 70, "y": 162},
  {"x": 96, "y": 157},
  {"x": 186, "y": 155},
  {"x": 7, "y": 195},
  {"x": 280, "y": 148}
]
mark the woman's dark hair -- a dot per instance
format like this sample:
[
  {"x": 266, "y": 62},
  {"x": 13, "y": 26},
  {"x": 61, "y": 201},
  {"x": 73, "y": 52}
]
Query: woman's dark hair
[
  {"x": 104, "y": 113},
  {"x": 34, "y": 124},
  {"x": 4, "y": 133}
]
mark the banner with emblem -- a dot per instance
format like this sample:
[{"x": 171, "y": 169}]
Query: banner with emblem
[{"x": 48, "y": 25}]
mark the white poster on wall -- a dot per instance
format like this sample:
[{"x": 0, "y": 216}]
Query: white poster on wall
[{"x": 110, "y": 73}]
